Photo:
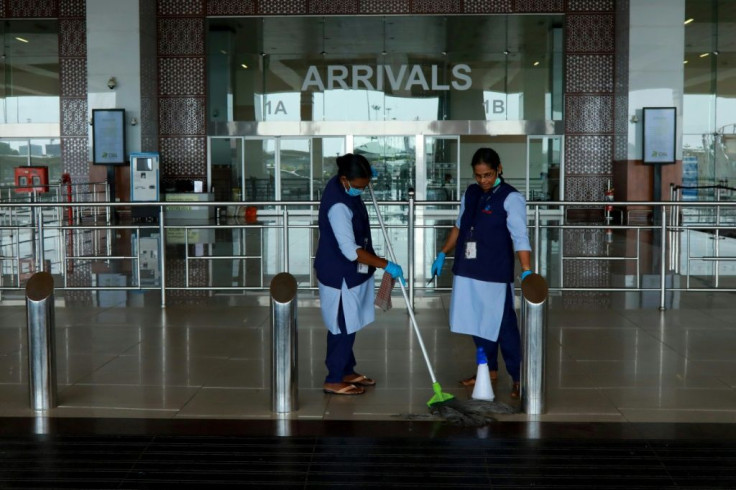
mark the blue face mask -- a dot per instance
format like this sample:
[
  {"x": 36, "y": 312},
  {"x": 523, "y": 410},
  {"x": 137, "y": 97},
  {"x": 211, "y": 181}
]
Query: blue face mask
[
  {"x": 498, "y": 181},
  {"x": 352, "y": 191}
]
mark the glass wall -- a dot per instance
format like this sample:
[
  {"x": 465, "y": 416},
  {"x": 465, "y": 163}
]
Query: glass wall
[
  {"x": 384, "y": 68},
  {"x": 29, "y": 97},
  {"x": 709, "y": 106}
]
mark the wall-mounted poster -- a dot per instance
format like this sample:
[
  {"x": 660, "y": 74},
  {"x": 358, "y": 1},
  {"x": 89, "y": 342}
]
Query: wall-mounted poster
[
  {"x": 660, "y": 135},
  {"x": 108, "y": 137}
]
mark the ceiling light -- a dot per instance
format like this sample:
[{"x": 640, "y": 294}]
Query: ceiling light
[
  {"x": 689, "y": 20},
  {"x": 21, "y": 39},
  {"x": 244, "y": 66},
  {"x": 536, "y": 63},
  {"x": 684, "y": 62},
  {"x": 223, "y": 51},
  {"x": 704, "y": 55}
]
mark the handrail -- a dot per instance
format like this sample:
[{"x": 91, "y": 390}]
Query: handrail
[{"x": 288, "y": 216}]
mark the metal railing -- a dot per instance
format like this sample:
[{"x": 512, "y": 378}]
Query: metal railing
[{"x": 278, "y": 243}]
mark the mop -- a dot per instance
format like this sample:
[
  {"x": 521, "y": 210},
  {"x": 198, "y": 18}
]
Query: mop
[{"x": 471, "y": 413}]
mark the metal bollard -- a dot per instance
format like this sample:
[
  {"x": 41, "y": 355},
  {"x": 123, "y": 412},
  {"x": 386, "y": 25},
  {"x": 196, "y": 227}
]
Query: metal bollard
[
  {"x": 41, "y": 341},
  {"x": 533, "y": 330},
  {"x": 284, "y": 379}
]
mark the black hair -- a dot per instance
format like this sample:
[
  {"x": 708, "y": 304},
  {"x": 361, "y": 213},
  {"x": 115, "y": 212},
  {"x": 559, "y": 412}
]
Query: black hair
[
  {"x": 353, "y": 166},
  {"x": 487, "y": 156}
]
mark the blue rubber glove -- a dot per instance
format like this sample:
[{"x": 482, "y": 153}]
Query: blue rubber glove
[
  {"x": 525, "y": 274},
  {"x": 395, "y": 271},
  {"x": 436, "y": 269}
]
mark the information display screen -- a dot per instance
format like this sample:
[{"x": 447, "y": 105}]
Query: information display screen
[
  {"x": 108, "y": 137},
  {"x": 660, "y": 135}
]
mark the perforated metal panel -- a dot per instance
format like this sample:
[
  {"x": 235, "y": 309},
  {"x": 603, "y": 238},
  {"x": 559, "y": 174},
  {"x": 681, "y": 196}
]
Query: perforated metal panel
[
  {"x": 181, "y": 36},
  {"x": 73, "y": 77},
  {"x": 585, "y": 187},
  {"x": 72, "y": 8},
  {"x": 283, "y": 7},
  {"x": 437, "y": 6},
  {"x": 183, "y": 156},
  {"x": 317, "y": 7},
  {"x": 31, "y": 9},
  {"x": 231, "y": 7},
  {"x": 588, "y": 114},
  {"x": 589, "y": 73},
  {"x": 590, "y": 5},
  {"x": 590, "y": 33},
  {"x": 181, "y": 76},
  {"x": 180, "y": 7},
  {"x": 74, "y": 116},
  {"x": 72, "y": 38},
  {"x": 547, "y": 6},
  {"x": 589, "y": 154},
  {"x": 487, "y": 6},
  {"x": 385, "y": 7}
]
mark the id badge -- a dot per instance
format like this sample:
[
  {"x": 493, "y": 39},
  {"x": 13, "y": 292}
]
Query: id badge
[
  {"x": 362, "y": 268},
  {"x": 471, "y": 250}
]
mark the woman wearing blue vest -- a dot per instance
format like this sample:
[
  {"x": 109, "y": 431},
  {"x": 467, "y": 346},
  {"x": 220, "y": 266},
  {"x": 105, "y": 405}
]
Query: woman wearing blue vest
[
  {"x": 490, "y": 227},
  {"x": 345, "y": 263}
]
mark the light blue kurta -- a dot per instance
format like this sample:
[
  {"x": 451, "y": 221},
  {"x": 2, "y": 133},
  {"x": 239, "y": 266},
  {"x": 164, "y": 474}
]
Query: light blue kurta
[
  {"x": 476, "y": 307},
  {"x": 357, "y": 302}
]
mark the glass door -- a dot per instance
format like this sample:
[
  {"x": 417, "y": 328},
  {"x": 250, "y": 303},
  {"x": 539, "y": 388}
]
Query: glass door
[
  {"x": 325, "y": 151},
  {"x": 394, "y": 158},
  {"x": 543, "y": 168},
  {"x": 443, "y": 168},
  {"x": 226, "y": 168},
  {"x": 260, "y": 170},
  {"x": 295, "y": 169}
]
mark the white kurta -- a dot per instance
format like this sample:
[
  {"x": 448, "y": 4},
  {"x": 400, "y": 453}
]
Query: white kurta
[
  {"x": 357, "y": 302},
  {"x": 476, "y": 307}
]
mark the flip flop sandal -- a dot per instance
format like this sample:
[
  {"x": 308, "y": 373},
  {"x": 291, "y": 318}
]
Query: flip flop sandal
[
  {"x": 349, "y": 390},
  {"x": 361, "y": 380}
]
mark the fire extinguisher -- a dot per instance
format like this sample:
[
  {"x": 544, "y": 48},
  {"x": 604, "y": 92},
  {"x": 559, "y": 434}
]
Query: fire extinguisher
[
  {"x": 608, "y": 197},
  {"x": 67, "y": 179}
]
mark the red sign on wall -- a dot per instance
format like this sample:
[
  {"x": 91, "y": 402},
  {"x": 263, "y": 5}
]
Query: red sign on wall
[{"x": 31, "y": 179}]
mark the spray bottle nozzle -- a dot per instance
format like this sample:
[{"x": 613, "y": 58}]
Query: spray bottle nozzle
[{"x": 480, "y": 356}]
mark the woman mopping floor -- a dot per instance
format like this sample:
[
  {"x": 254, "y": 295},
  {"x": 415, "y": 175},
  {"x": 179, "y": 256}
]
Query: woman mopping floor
[{"x": 345, "y": 263}]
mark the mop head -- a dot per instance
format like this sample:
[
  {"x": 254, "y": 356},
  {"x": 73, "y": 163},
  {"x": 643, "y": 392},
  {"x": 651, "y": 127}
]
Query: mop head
[{"x": 470, "y": 413}]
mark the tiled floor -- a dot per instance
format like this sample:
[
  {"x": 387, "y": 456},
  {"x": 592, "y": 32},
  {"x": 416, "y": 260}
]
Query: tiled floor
[{"x": 212, "y": 360}]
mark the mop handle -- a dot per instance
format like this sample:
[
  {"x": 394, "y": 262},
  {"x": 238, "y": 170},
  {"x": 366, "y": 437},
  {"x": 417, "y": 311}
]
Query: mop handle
[{"x": 403, "y": 289}]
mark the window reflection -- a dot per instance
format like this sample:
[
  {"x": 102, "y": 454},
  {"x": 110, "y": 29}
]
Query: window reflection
[
  {"x": 423, "y": 68},
  {"x": 29, "y": 72}
]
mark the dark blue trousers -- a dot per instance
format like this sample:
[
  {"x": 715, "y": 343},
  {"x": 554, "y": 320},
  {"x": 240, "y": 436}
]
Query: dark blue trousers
[
  {"x": 340, "y": 360},
  {"x": 509, "y": 340}
]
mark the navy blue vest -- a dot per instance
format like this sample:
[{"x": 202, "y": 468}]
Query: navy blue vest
[
  {"x": 484, "y": 220},
  {"x": 329, "y": 262}
]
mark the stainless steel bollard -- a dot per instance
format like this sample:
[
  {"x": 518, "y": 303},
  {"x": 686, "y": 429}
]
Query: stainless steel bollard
[
  {"x": 533, "y": 331},
  {"x": 41, "y": 341},
  {"x": 284, "y": 379}
]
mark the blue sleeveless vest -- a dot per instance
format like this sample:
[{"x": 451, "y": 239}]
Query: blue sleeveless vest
[
  {"x": 484, "y": 220},
  {"x": 329, "y": 262}
]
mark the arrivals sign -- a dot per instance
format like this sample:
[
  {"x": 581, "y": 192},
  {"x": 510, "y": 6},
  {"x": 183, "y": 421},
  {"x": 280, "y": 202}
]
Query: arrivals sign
[
  {"x": 380, "y": 77},
  {"x": 333, "y": 89}
]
